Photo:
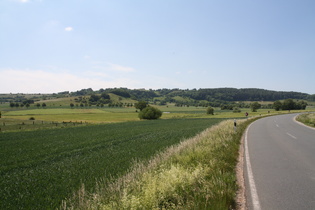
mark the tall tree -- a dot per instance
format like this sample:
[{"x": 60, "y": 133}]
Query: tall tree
[
  {"x": 141, "y": 105},
  {"x": 277, "y": 105},
  {"x": 254, "y": 106}
]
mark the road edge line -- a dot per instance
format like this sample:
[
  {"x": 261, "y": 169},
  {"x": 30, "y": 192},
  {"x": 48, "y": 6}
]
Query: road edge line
[{"x": 252, "y": 185}]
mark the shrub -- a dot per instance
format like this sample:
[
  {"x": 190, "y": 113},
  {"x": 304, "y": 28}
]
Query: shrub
[
  {"x": 150, "y": 113},
  {"x": 236, "y": 110},
  {"x": 32, "y": 118},
  {"x": 210, "y": 110},
  {"x": 254, "y": 106}
]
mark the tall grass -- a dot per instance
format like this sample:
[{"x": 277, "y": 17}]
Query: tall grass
[
  {"x": 198, "y": 173},
  {"x": 308, "y": 119}
]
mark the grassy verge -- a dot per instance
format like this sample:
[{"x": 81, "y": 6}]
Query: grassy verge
[
  {"x": 198, "y": 173},
  {"x": 307, "y": 119}
]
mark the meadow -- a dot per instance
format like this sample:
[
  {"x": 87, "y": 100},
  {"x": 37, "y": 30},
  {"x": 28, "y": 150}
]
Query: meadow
[
  {"x": 18, "y": 118},
  {"x": 41, "y": 168}
]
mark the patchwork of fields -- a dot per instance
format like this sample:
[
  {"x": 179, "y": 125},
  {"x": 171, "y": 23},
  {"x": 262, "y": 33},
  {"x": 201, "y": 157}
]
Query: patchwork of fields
[
  {"x": 40, "y": 165},
  {"x": 41, "y": 168}
]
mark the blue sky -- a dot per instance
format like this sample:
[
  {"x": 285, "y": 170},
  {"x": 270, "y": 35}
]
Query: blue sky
[{"x": 50, "y": 46}]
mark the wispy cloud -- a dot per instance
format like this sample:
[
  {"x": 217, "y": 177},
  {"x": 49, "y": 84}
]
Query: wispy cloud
[
  {"x": 116, "y": 67},
  {"x": 68, "y": 29},
  {"x": 39, "y": 81},
  {"x": 97, "y": 74},
  {"x": 26, "y": 1}
]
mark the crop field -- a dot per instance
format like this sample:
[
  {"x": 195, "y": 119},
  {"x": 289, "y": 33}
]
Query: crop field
[
  {"x": 198, "y": 173},
  {"x": 40, "y": 168}
]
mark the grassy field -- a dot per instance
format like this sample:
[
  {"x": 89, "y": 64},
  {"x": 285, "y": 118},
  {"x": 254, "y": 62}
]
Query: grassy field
[
  {"x": 39, "y": 169},
  {"x": 18, "y": 118},
  {"x": 101, "y": 114}
]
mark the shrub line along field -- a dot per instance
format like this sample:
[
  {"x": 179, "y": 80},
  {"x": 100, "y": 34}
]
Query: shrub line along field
[{"x": 41, "y": 168}]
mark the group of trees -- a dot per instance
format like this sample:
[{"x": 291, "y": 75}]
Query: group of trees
[
  {"x": 94, "y": 99},
  {"x": 289, "y": 104},
  {"x": 110, "y": 105},
  {"x": 27, "y": 105},
  {"x": 148, "y": 112}
]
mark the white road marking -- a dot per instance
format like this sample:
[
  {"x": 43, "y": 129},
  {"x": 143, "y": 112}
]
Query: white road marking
[
  {"x": 252, "y": 185},
  {"x": 277, "y": 125},
  {"x": 291, "y": 136}
]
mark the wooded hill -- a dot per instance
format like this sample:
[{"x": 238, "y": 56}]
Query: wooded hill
[
  {"x": 216, "y": 97},
  {"x": 222, "y": 94}
]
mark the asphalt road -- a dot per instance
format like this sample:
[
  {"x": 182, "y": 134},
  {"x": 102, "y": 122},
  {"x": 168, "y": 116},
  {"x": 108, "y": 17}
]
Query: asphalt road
[{"x": 280, "y": 164}]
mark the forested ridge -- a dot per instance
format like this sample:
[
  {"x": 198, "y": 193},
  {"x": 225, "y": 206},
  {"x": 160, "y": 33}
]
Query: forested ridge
[
  {"x": 208, "y": 94},
  {"x": 193, "y": 97}
]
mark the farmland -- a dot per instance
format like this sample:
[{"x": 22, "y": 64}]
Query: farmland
[
  {"x": 19, "y": 118},
  {"x": 40, "y": 168},
  {"x": 48, "y": 153}
]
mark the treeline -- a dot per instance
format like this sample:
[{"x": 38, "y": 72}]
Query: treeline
[
  {"x": 233, "y": 94},
  {"x": 289, "y": 104},
  {"x": 22, "y": 103},
  {"x": 210, "y": 94},
  {"x": 226, "y": 98}
]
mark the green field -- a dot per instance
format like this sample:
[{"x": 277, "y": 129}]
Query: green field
[
  {"x": 16, "y": 119},
  {"x": 41, "y": 168},
  {"x": 41, "y": 165},
  {"x": 109, "y": 115}
]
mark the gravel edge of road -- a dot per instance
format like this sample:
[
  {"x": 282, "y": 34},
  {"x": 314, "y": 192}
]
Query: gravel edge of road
[{"x": 240, "y": 194}]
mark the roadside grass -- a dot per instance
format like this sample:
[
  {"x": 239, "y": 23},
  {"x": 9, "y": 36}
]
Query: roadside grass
[
  {"x": 307, "y": 119},
  {"x": 198, "y": 173},
  {"x": 38, "y": 169}
]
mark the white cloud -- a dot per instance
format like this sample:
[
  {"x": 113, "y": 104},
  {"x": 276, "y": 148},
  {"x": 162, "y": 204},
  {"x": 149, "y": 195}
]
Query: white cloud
[
  {"x": 69, "y": 29},
  {"x": 39, "y": 81},
  {"x": 97, "y": 74},
  {"x": 26, "y": 1},
  {"x": 117, "y": 67}
]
